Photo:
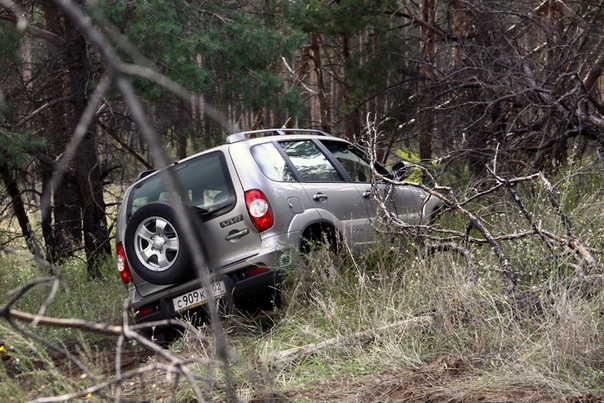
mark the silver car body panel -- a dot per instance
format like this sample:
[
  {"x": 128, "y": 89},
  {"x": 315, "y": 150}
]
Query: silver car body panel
[{"x": 230, "y": 241}]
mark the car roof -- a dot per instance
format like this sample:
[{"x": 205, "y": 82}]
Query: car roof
[
  {"x": 247, "y": 135},
  {"x": 259, "y": 135}
]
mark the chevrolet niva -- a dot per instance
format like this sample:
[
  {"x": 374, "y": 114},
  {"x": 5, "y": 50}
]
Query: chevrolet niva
[{"x": 253, "y": 201}]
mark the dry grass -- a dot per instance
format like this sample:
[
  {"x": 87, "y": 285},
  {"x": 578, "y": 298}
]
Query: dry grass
[{"x": 475, "y": 346}]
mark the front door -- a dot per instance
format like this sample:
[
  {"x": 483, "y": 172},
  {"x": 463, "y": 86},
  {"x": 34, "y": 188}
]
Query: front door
[{"x": 336, "y": 198}]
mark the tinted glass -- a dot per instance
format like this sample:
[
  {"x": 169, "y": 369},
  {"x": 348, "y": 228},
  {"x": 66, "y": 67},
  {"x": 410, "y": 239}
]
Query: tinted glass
[
  {"x": 357, "y": 168},
  {"x": 205, "y": 180},
  {"x": 310, "y": 162}
]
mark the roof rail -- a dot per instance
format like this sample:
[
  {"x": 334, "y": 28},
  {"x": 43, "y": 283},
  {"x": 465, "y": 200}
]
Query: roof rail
[{"x": 233, "y": 138}]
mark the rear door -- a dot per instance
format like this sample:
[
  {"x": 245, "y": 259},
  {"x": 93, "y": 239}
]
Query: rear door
[
  {"x": 228, "y": 234},
  {"x": 405, "y": 201}
]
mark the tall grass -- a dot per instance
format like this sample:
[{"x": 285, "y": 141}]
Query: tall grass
[
  {"x": 555, "y": 353},
  {"x": 556, "y": 350},
  {"x": 29, "y": 367},
  {"x": 476, "y": 343}
]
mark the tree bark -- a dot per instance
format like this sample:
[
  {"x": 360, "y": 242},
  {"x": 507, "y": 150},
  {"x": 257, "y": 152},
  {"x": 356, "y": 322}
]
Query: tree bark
[
  {"x": 425, "y": 118},
  {"x": 65, "y": 234},
  {"x": 18, "y": 208},
  {"x": 315, "y": 52},
  {"x": 353, "y": 122},
  {"x": 87, "y": 167}
]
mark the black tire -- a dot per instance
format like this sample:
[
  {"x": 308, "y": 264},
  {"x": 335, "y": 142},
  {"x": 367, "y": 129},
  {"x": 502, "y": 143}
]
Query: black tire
[
  {"x": 434, "y": 215},
  {"x": 155, "y": 245},
  {"x": 319, "y": 237}
]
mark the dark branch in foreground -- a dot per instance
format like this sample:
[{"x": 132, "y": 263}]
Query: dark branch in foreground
[{"x": 124, "y": 332}]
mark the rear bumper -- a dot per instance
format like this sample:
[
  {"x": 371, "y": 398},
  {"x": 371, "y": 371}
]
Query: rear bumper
[{"x": 239, "y": 291}]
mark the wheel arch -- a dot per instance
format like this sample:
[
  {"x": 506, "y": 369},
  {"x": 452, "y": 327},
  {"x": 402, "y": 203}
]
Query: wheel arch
[
  {"x": 320, "y": 232},
  {"x": 431, "y": 211}
]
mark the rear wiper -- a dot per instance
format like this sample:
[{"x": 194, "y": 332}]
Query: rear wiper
[{"x": 212, "y": 210}]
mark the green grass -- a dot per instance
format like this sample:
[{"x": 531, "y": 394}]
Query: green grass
[
  {"x": 77, "y": 296},
  {"x": 29, "y": 368},
  {"x": 554, "y": 353}
]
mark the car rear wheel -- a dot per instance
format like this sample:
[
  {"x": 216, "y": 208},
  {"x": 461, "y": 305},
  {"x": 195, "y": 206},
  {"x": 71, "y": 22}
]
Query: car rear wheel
[{"x": 155, "y": 246}]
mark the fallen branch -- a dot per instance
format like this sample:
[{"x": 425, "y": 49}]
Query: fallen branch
[
  {"x": 527, "y": 302},
  {"x": 533, "y": 301},
  {"x": 175, "y": 365},
  {"x": 467, "y": 255},
  {"x": 283, "y": 358},
  {"x": 573, "y": 241},
  {"x": 449, "y": 199}
]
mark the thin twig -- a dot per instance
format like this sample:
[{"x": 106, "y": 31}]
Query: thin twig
[{"x": 573, "y": 240}]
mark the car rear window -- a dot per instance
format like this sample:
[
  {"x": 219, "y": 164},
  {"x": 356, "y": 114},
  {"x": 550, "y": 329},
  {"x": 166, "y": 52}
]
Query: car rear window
[{"x": 205, "y": 181}]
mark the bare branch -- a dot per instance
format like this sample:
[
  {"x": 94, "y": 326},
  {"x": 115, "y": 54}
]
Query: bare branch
[
  {"x": 467, "y": 255},
  {"x": 22, "y": 24},
  {"x": 510, "y": 186},
  {"x": 13, "y": 314},
  {"x": 573, "y": 240},
  {"x": 39, "y": 110}
]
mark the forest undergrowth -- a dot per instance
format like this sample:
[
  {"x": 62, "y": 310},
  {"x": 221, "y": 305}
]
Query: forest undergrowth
[{"x": 406, "y": 320}]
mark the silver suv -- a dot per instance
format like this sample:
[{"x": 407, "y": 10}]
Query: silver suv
[{"x": 254, "y": 201}]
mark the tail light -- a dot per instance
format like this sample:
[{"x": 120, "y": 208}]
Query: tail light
[
  {"x": 256, "y": 270},
  {"x": 144, "y": 312},
  {"x": 122, "y": 264},
  {"x": 259, "y": 209}
]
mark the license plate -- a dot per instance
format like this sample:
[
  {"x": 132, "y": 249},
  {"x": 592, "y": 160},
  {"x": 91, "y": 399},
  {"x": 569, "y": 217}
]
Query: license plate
[{"x": 198, "y": 297}]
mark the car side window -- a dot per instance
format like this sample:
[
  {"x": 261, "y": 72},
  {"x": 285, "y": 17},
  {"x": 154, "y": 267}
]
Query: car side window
[
  {"x": 357, "y": 168},
  {"x": 310, "y": 162},
  {"x": 271, "y": 163}
]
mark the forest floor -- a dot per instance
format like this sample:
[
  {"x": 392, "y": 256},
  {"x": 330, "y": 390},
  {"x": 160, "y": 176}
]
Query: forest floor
[
  {"x": 445, "y": 379},
  {"x": 439, "y": 381},
  {"x": 435, "y": 382}
]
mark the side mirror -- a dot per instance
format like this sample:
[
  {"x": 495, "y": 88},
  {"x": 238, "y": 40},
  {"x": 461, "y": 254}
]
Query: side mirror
[{"x": 401, "y": 170}]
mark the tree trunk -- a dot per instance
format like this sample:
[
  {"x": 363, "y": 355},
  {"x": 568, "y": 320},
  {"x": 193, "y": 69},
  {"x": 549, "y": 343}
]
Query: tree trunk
[
  {"x": 425, "y": 117},
  {"x": 18, "y": 208},
  {"x": 87, "y": 172},
  {"x": 65, "y": 235},
  {"x": 315, "y": 51},
  {"x": 353, "y": 123},
  {"x": 183, "y": 125}
]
